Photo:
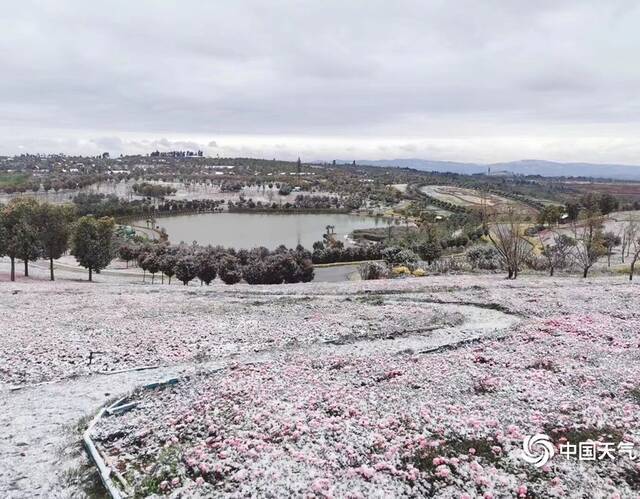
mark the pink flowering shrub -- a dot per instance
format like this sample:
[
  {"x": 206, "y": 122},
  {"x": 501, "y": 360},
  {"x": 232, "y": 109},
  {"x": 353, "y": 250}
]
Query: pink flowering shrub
[{"x": 398, "y": 425}]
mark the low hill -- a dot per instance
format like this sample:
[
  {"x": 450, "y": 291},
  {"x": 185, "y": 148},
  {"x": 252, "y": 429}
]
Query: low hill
[{"x": 522, "y": 167}]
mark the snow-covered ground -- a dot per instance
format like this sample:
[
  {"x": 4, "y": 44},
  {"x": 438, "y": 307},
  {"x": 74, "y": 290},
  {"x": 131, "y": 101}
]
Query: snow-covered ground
[{"x": 423, "y": 386}]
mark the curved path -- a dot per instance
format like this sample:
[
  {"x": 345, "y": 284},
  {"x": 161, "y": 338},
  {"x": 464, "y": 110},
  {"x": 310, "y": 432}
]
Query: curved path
[
  {"x": 40, "y": 450},
  {"x": 324, "y": 273}
]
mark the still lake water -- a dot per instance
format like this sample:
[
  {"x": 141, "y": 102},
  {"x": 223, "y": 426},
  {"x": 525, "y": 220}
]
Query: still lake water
[{"x": 248, "y": 230}]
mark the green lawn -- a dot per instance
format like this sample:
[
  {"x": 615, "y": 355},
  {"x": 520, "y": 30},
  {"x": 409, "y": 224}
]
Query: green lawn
[{"x": 13, "y": 179}]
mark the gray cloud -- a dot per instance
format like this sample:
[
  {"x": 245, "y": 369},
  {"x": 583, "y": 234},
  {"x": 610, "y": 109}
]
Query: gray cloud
[{"x": 414, "y": 77}]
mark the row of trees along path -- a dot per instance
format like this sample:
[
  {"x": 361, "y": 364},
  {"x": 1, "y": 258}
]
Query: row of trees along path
[{"x": 30, "y": 230}]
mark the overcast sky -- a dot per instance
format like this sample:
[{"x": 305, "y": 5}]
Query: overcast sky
[{"x": 457, "y": 80}]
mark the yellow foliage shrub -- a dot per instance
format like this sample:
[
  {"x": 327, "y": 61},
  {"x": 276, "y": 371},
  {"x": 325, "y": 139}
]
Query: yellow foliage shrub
[{"x": 401, "y": 270}]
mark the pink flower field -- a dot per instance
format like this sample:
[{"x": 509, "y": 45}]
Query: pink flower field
[{"x": 383, "y": 422}]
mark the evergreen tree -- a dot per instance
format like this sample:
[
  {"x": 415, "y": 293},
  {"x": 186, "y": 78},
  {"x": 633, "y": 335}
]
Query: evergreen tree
[
  {"x": 54, "y": 228},
  {"x": 92, "y": 243},
  {"x": 21, "y": 239},
  {"x": 186, "y": 269}
]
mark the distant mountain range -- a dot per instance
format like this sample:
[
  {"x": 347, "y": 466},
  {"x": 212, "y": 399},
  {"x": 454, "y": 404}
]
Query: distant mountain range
[{"x": 523, "y": 167}]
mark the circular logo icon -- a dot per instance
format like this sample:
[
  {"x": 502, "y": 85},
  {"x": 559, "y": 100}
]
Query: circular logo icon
[{"x": 537, "y": 449}]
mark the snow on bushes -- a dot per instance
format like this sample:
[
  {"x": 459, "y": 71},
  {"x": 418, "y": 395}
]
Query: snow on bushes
[{"x": 372, "y": 270}]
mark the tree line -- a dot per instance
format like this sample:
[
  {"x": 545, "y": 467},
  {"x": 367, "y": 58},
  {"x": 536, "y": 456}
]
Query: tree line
[
  {"x": 30, "y": 230},
  {"x": 300, "y": 203},
  {"x": 112, "y": 205},
  {"x": 188, "y": 262},
  {"x": 153, "y": 190}
]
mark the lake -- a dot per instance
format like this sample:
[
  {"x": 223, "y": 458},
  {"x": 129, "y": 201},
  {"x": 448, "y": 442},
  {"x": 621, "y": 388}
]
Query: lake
[{"x": 248, "y": 230}]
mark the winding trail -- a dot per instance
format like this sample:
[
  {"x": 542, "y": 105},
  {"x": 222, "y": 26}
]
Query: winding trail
[{"x": 40, "y": 440}]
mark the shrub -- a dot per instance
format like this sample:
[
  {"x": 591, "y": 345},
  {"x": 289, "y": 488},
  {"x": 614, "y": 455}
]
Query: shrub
[
  {"x": 419, "y": 273},
  {"x": 168, "y": 261},
  {"x": 126, "y": 252},
  {"x": 206, "y": 261},
  {"x": 372, "y": 270},
  {"x": 537, "y": 262},
  {"x": 305, "y": 270},
  {"x": 389, "y": 254},
  {"x": 395, "y": 256},
  {"x": 254, "y": 272},
  {"x": 229, "y": 270},
  {"x": 352, "y": 254},
  {"x": 152, "y": 264},
  {"x": 267, "y": 271},
  {"x": 287, "y": 268},
  {"x": 429, "y": 250},
  {"x": 449, "y": 264},
  {"x": 283, "y": 266},
  {"x": 401, "y": 270},
  {"x": 186, "y": 269},
  {"x": 483, "y": 257},
  {"x": 407, "y": 258}
]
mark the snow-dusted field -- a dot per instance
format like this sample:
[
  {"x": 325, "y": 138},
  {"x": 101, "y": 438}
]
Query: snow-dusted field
[
  {"x": 63, "y": 330},
  {"x": 424, "y": 386}
]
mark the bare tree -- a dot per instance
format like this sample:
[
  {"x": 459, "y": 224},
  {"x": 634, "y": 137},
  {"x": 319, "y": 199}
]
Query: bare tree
[
  {"x": 610, "y": 241},
  {"x": 631, "y": 243},
  {"x": 635, "y": 254},
  {"x": 629, "y": 236},
  {"x": 589, "y": 242},
  {"x": 506, "y": 235},
  {"x": 558, "y": 252}
]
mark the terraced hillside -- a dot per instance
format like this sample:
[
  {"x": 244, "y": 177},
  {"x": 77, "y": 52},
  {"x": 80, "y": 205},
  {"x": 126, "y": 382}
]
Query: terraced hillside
[{"x": 475, "y": 199}]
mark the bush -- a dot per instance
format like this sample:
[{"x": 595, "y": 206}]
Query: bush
[
  {"x": 350, "y": 254},
  {"x": 283, "y": 266},
  {"x": 206, "y": 261},
  {"x": 229, "y": 270},
  {"x": 400, "y": 270},
  {"x": 395, "y": 256},
  {"x": 168, "y": 262},
  {"x": 483, "y": 257},
  {"x": 537, "y": 262},
  {"x": 449, "y": 264},
  {"x": 127, "y": 252},
  {"x": 389, "y": 254},
  {"x": 372, "y": 270},
  {"x": 305, "y": 270},
  {"x": 267, "y": 271},
  {"x": 186, "y": 269},
  {"x": 152, "y": 264},
  {"x": 407, "y": 258},
  {"x": 429, "y": 250},
  {"x": 254, "y": 272}
]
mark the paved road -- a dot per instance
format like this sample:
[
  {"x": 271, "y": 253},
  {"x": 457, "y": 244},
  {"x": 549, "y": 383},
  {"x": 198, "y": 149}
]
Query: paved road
[{"x": 338, "y": 273}]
